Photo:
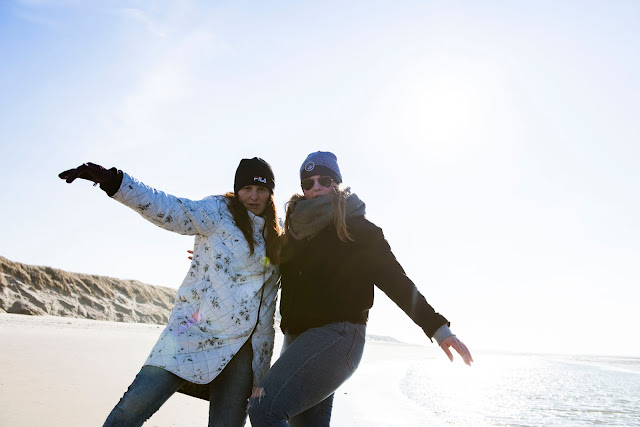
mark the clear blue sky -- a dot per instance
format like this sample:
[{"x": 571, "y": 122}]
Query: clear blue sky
[{"x": 495, "y": 142}]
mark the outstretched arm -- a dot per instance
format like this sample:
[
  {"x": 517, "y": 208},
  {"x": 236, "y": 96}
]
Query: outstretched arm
[
  {"x": 389, "y": 276},
  {"x": 175, "y": 214},
  {"x": 392, "y": 280}
]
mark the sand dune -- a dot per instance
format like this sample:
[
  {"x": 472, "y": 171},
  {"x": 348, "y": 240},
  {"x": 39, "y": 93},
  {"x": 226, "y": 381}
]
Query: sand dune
[{"x": 27, "y": 289}]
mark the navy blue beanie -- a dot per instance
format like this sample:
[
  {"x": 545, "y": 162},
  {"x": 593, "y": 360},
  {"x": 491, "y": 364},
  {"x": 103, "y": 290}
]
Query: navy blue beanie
[{"x": 321, "y": 163}]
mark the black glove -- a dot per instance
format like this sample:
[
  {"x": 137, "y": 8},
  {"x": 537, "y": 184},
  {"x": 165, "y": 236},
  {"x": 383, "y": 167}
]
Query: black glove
[
  {"x": 88, "y": 171},
  {"x": 109, "y": 179}
]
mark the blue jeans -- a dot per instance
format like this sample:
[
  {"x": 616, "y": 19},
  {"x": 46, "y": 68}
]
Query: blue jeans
[
  {"x": 228, "y": 394},
  {"x": 299, "y": 387}
]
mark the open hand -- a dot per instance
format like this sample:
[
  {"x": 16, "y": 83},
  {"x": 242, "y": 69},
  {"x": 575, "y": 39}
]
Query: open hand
[
  {"x": 89, "y": 171},
  {"x": 463, "y": 351}
]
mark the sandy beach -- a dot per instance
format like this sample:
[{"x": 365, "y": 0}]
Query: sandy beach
[
  {"x": 71, "y": 370},
  {"x": 57, "y": 371}
]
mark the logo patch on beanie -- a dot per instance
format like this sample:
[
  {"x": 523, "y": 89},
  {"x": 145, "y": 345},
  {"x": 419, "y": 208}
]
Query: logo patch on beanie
[
  {"x": 309, "y": 166},
  {"x": 260, "y": 179}
]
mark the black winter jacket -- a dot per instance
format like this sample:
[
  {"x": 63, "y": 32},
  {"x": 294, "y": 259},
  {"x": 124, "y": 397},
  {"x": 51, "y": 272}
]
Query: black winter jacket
[{"x": 325, "y": 280}]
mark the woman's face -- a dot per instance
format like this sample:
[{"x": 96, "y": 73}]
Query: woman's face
[
  {"x": 254, "y": 198},
  {"x": 317, "y": 189}
]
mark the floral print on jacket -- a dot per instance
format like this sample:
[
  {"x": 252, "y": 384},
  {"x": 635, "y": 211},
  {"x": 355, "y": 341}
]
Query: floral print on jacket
[{"x": 218, "y": 304}]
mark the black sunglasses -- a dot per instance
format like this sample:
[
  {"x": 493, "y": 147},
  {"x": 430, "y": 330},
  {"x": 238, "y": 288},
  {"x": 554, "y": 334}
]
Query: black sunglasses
[{"x": 308, "y": 183}]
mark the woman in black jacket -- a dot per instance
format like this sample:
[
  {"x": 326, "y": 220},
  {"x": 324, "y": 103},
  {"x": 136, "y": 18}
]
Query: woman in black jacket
[{"x": 331, "y": 259}]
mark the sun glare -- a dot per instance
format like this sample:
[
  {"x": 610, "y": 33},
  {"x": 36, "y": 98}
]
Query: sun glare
[{"x": 447, "y": 102}]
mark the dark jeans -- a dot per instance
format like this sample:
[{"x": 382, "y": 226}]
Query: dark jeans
[
  {"x": 299, "y": 387},
  {"x": 228, "y": 394}
]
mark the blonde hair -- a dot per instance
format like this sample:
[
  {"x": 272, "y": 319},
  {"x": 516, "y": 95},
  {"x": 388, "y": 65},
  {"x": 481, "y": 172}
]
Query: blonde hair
[
  {"x": 338, "y": 207},
  {"x": 339, "y": 202}
]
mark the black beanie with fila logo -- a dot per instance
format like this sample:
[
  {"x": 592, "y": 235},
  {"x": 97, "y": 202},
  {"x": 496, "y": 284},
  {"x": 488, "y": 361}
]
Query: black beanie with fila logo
[{"x": 254, "y": 172}]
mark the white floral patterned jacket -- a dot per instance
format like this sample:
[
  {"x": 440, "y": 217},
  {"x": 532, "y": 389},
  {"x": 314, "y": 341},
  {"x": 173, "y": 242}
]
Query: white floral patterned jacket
[{"x": 220, "y": 299}]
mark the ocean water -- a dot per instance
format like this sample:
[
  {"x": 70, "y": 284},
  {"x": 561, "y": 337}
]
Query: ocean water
[{"x": 528, "y": 390}]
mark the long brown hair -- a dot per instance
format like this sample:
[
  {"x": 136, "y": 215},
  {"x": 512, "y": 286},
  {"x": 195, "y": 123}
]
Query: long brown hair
[
  {"x": 339, "y": 207},
  {"x": 243, "y": 222}
]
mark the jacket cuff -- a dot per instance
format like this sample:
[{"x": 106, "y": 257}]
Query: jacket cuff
[
  {"x": 112, "y": 185},
  {"x": 442, "y": 333}
]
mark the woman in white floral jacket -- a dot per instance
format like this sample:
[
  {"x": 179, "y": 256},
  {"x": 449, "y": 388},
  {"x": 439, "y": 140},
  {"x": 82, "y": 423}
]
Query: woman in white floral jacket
[{"x": 219, "y": 339}]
